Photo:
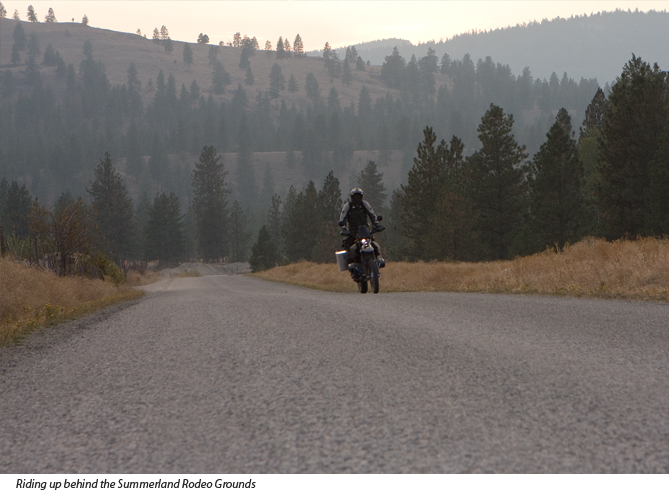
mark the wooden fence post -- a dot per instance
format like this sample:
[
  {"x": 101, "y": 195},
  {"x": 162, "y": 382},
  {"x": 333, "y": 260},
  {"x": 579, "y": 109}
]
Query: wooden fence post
[
  {"x": 35, "y": 250},
  {"x": 2, "y": 242}
]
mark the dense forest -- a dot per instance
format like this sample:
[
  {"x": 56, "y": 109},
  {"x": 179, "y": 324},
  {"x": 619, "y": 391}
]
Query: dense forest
[
  {"x": 492, "y": 164},
  {"x": 592, "y": 45}
]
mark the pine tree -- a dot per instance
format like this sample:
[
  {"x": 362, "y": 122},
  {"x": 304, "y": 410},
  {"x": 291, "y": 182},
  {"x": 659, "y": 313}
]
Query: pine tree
[
  {"x": 164, "y": 233},
  {"x": 249, "y": 79},
  {"x": 312, "y": 87},
  {"x": 212, "y": 55},
  {"x": 423, "y": 191},
  {"x": 84, "y": 20},
  {"x": 188, "y": 54},
  {"x": 347, "y": 76},
  {"x": 292, "y": 84},
  {"x": 264, "y": 254},
  {"x": 16, "y": 210},
  {"x": 20, "y": 39},
  {"x": 633, "y": 123},
  {"x": 300, "y": 229},
  {"x": 274, "y": 222},
  {"x": 220, "y": 78},
  {"x": 277, "y": 82},
  {"x": 3, "y": 11},
  {"x": 210, "y": 205},
  {"x": 556, "y": 197},
  {"x": 238, "y": 233},
  {"x": 51, "y": 17},
  {"x": 202, "y": 39},
  {"x": 498, "y": 183},
  {"x": 112, "y": 209},
  {"x": 359, "y": 64},
  {"x": 280, "y": 52},
  {"x": 298, "y": 46},
  {"x": 371, "y": 182},
  {"x": 32, "y": 17}
]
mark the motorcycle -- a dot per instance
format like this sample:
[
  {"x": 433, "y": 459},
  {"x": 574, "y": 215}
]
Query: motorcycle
[{"x": 365, "y": 265}]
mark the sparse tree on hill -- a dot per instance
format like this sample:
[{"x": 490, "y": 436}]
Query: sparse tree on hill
[
  {"x": 268, "y": 48},
  {"x": 50, "y": 56},
  {"x": 168, "y": 45},
  {"x": 51, "y": 16},
  {"x": 20, "y": 39},
  {"x": 277, "y": 82},
  {"x": 292, "y": 84},
  {"x": 188, "y": 54},
  {"x": 280, "y": 51},
  {"x": 249, "y": 79},
  {"x": 84, "y": 21},
  {"x": 202, "y": 39},
  {"x": 156, "y": 35},
  {"x": 327, "y": 52},
  {"x": 288, "y": 51},
  {"x": 359, "y": 64},
  {"x": 351, "y": 55},
  {"x": 237, "y": 40},
  {"x": 3, "y": 11},
  {"x": 312, "y": 87},
  {"x": 32, "y": 17},
  {"x": 298, "y": 46},
  {"x": 164, "y": 32},
  {"x": 213, "y": 54},
  {"x": 347, "y": 76},
  {"x": 220, "y": 78},
  {"x": 16, "y": 15}
]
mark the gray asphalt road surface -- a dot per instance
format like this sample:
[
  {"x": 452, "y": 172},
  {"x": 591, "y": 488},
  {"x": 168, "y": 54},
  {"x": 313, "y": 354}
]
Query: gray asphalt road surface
[{"x": 230, "y": 374}]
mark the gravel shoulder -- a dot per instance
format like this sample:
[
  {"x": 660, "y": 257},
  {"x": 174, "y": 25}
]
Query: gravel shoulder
[{"x": 231, "y": 374}]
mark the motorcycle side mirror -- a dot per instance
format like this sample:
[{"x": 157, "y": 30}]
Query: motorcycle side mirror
[{"x": 379, "y": 218}]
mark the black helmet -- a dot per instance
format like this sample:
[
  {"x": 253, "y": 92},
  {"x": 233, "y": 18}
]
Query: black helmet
[{"x": 356, "y": 190}]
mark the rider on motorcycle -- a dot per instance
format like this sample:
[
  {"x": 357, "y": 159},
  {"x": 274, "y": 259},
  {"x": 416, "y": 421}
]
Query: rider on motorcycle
[{"x": 353, "y": 215}]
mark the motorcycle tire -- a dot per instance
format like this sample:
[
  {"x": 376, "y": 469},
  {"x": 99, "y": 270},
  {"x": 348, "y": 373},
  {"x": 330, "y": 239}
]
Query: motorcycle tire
[
  {"x": 374, "y": 276},
  {"x": 362, "y": 286}
]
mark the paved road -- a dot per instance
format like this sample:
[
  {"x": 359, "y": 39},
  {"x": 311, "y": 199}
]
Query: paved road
[{"x": 232, "y": 374}]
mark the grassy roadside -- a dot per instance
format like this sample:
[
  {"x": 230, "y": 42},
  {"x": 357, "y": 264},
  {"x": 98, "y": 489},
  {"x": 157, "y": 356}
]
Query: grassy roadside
[
  {"x": 636, "y": 270},
  {"x": 33, "y": 297}
]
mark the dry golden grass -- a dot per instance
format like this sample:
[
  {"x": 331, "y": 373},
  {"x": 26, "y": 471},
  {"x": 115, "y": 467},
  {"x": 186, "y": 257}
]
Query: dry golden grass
[
  {"x": 134, "y": 278},
  {"x": 33, "y": 297},
  {"x": 637, "y": 270}
]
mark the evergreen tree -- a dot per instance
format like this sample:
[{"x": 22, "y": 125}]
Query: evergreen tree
[
  {"x": 423, "y": 191},
  {"x": 220, "y": 78},
  {"x": 141, "y": 220},
  {"x": 246, "y": 185},
  {"x": 3, "y": 11},
  {"x": 84, "y": 21},
  {"x": 274, "y": 222},
  {"x": 301, "y": 225},
  {"x": 210, "y": 205},
  {"x": 33, "y": 46},
  {"x": 188, "y": 54},
  {"x": 112, "y": 209},
  {"x": 32, "y": 17},
  {"x": 249, "y": 79},
  {"x": 657, "y": 215},
  {"x": 292, "y": 84},
  {"x": 359, "y": 64},
  {"x": 202, "y": 39},
  {"x": 20, "y": 39},
  {"x": 264, "y": 254},
  {"x": 298, "y": 46},
  {"x": 212, "y": 55},
  {"x": 16, "y": 210},
  {"x": 633, "y": 123},
  {"x": 556, "y": 197},
  {"x": 312, "y": 87},
  {"x": 347, "y": 76},
  {"x": 280, "y": 51},
  {"x": 50, "y": 17},
  {"x": 164, "y": 232},
  {"x": 371, "y": 182},
  {"x": 238, "y": 233},
  {"x": 277, "y": 82},
  {"x": 498, "y": 182}
]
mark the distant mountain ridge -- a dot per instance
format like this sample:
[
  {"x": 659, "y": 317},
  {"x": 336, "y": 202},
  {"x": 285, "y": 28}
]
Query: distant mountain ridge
[{"x": 588, "y": 46}]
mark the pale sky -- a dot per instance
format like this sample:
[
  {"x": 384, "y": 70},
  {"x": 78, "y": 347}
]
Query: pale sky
[{"x": 340, "y": 22}]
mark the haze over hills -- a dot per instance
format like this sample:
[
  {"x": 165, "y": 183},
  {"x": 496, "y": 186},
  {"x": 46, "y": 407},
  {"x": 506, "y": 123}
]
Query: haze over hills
[{"x": 588, "y": 46}]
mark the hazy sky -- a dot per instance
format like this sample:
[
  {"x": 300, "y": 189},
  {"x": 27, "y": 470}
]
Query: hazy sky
[{"x": 339, "y": 22}]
